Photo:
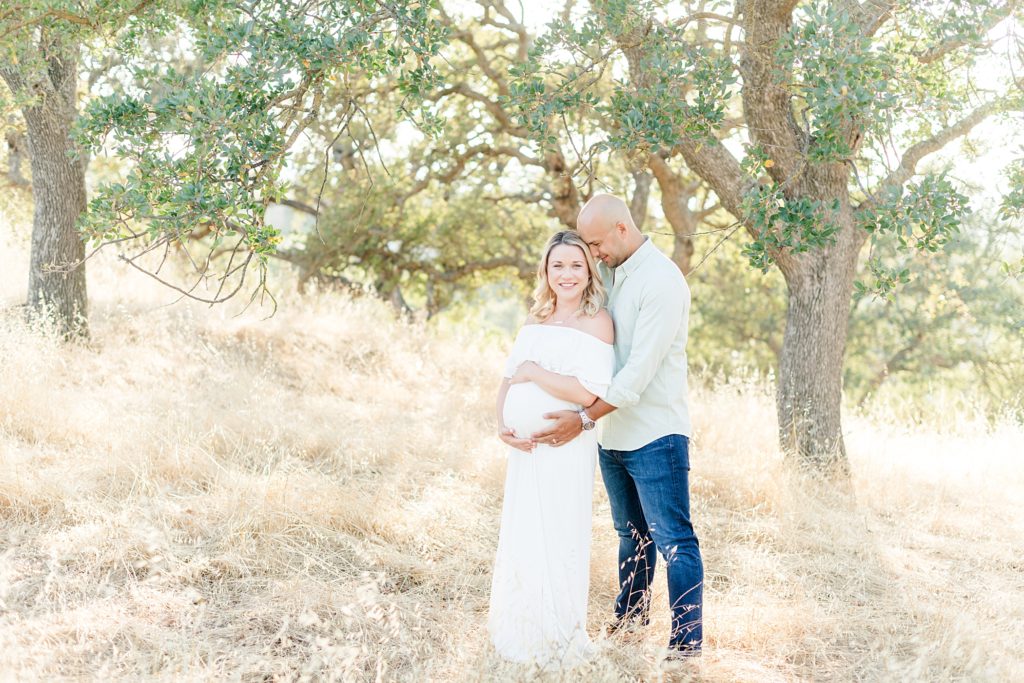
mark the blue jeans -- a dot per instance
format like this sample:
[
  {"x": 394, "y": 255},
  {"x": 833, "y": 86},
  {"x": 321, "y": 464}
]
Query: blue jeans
[{"x": 649, "y": 491}]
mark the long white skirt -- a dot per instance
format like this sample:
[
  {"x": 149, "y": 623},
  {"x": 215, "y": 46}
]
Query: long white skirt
[{"x": 538, "y": 609}]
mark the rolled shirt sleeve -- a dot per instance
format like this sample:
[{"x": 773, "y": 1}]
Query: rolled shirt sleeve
[{"x": 597, "y": 389}]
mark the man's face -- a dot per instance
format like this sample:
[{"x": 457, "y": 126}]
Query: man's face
[{"x": 604, "y": 241}]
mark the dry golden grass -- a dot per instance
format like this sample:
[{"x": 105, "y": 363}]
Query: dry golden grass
[{"x": 316, "y": 496}]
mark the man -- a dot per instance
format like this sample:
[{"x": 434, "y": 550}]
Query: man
[{"x": 643, "y": 452}]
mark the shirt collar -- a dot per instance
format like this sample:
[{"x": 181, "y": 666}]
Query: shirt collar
[{"x": 630, "y": 265}]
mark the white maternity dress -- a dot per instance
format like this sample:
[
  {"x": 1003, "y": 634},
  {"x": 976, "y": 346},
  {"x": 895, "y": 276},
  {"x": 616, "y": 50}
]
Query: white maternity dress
[{"x": 538, "y": 608}]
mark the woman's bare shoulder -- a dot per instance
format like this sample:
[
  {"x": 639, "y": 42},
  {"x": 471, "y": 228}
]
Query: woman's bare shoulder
[{"x": 600, "y": 326}]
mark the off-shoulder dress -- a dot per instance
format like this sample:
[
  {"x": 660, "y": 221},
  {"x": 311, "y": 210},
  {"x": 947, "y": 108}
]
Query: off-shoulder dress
[{"x": 538, "y": 606}]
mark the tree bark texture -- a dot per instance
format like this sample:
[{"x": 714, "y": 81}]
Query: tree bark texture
[
  {"x": 641, "y": 193},
  {"x": 56, "y": 286},
  {"x": 675, "y": 203},
  {"x": 810, "y": 381},
  {"x": 565, "y": 200}
]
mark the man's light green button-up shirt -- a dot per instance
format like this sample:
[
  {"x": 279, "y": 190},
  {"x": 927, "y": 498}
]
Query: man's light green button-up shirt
[{"x": 649, "y": 300}]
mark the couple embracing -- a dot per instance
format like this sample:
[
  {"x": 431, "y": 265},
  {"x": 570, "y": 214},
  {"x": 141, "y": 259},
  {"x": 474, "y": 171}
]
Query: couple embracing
[{"x": 575, "y": 363}]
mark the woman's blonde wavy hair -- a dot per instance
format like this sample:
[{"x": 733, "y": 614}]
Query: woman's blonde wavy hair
[{"x": 544, "y": 297}]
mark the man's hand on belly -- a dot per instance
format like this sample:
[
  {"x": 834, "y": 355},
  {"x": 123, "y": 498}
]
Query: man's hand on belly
[{"x": 567, "y": 426}]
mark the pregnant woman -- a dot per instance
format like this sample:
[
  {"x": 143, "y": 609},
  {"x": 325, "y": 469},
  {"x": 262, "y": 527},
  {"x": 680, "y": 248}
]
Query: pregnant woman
[{"x": 562, "y": 359}]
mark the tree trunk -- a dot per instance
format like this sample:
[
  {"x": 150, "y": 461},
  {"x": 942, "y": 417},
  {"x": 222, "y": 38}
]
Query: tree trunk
[
  {"x": 641, "y": 193},
  {"x": 56, "y": 286},
  {"x": 565, "y": 201},
  {"x": 675, "y": 203},
  {"x": 810, "y": 386},
  {"x": 682, "y": 252}
]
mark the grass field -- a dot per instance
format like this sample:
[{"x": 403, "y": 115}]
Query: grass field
[{"x": 195, "y": 496}]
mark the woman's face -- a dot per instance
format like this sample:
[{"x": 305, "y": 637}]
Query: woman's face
[{"x": 568, "y": 273}]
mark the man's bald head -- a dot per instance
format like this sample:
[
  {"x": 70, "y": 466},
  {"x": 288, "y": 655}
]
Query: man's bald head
[
  {"x": 605, "y": 210},
  {"x": 607, "y": 227}
]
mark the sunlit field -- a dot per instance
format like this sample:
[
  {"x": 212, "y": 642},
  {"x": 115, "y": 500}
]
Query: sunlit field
[{"x": 315, "y": 496}]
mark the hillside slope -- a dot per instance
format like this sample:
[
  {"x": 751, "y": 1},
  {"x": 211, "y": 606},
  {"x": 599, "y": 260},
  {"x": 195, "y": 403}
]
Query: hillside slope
[{"x": 198, "y": 497}]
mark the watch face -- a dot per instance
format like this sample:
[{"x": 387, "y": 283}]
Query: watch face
[{"x": 589, "y": 425}]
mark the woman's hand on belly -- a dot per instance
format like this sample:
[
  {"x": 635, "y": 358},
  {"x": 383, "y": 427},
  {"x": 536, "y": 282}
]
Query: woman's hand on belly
[
  {"x": 526, "y": 372},
  {"x": 525, "y": 445}
]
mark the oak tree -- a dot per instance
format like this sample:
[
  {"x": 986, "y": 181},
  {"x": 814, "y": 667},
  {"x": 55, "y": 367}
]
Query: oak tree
[{"x": 840, "y": 102}]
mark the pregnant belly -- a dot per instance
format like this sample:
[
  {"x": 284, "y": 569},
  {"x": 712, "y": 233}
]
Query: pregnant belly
[{"x": 525, "y": 404}]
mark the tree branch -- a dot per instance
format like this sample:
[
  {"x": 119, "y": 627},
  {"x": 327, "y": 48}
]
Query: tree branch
[
  {"x": 704, "y": 16},
  {"x": 297, "y": 205},
  {"x": 49, "y": 14},
  {"x": 720, "y": 169},
  {"x": 871, "y": 15},
  {"x": 481, "y": 60},
  {"x": 767, "y": 105},
  {"x": 511, "y": 24},
  {"x": 916, "y": 152},
  {"x": 451, "y": 274},
  {"x": 939, "y": 51},
  {"x": 460, "y": 160},
  {"x": 493, "y": 107}
]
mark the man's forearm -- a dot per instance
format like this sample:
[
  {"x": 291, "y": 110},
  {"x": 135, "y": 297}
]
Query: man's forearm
[{"x": 599, "y": 409}]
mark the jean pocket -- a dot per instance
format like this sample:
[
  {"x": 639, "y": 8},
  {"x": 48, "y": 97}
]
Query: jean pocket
[{"x": 674, "y": 448}]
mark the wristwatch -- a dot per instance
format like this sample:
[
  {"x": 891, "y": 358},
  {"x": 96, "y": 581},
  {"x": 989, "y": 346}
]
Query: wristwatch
[{"x": 587, "y": 422}]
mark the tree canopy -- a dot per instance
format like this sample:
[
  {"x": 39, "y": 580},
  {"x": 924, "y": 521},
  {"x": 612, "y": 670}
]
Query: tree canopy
[
  {"x": 432, "y": 146},
  {"x": 840, "y": 102}
]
